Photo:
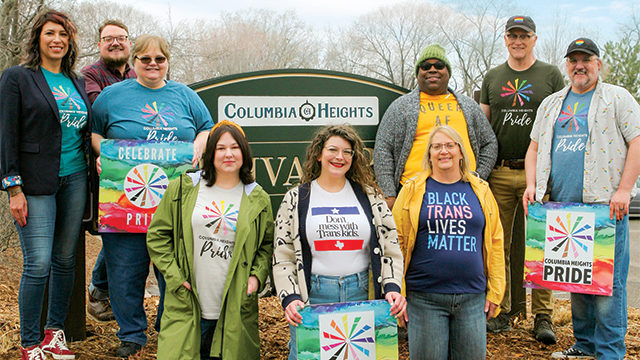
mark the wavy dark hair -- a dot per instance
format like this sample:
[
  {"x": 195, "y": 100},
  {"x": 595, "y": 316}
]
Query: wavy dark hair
[
  {"x": 209, "y": 154},
  {"x": 360, "y": 171},
  {"x": 33, "y": 58}
]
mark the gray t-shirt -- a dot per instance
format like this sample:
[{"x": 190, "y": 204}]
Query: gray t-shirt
[{"x": 214, "y": 232}]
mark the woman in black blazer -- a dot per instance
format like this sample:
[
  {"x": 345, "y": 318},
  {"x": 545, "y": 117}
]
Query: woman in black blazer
[{"x": 44, "y": 129}]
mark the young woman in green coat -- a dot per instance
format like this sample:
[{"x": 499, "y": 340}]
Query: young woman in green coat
[{"x": 212, "y": 239}]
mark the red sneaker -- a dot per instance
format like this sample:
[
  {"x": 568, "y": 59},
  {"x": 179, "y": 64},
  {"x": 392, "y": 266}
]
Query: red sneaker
[
  {"x": 55, "y": 344},
  {"x": 32, "y": 353}
]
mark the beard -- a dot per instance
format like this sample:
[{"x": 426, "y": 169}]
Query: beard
[{"x": 115, "y": 62}]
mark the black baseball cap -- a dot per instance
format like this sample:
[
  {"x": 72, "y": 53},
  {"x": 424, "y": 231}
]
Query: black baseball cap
[
  {"x": 521, "y": 22},
  {"x": 584, "y": 45}
]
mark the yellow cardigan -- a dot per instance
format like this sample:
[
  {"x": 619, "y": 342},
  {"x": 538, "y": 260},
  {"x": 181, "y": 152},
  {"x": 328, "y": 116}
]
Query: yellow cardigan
[{"x": 406, "y": 212}]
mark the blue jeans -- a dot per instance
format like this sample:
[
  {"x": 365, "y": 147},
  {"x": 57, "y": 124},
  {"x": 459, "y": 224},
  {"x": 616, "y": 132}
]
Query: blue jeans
[
  {"x": 127, "y": 262},
  {"x": 600, "y": 322},
  {"x": 99, "y": 286},
  {"x": 207, "y": 328},
  {"x": 332, "y": 289},
  {"x": 446, "y": 326},
  {"x": 48, "y": 242}
]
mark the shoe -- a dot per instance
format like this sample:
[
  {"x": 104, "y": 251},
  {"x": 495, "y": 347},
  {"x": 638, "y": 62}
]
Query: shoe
[
  {"x": 498, "y": 324},
  {"x": 543, "y": 329},
  {"x": 32, "y": 353},
  {"x": 127, "y": 349},
  {"x": 571, "y": 353},
  {"x": 99, "y": 310},
  {"x": 55, "y": 344}
]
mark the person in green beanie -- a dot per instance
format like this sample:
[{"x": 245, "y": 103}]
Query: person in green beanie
[{"x": 403, "y": 133}]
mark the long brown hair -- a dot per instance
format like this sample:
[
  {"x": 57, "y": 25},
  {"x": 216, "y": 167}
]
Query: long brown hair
[
  {"x": 209, "y": 173},
  {"x": 32, "y": 58},
  {"x": 360, "y": 171}
]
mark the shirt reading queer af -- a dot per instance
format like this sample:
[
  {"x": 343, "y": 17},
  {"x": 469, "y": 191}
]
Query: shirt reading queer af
[
  {"x": 338, "y": 232},
  {"x": 214, "y": 232},
  {"x": 447, "y": 256}
]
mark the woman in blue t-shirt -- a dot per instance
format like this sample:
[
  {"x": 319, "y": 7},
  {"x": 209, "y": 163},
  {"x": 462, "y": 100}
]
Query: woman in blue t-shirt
[
  {"x": 44, "y": 132},
  {"x": 146, "y": 108},
  {"x": 451, "y": 237},
  {"x": 334, "y": 232}
]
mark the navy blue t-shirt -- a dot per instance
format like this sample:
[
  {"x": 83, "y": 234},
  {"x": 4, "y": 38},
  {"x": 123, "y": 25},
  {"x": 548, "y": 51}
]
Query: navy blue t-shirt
[{"x": 447, "y": 256}]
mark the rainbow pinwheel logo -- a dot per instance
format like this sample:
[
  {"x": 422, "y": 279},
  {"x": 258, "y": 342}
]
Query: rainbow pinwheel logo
[
  {"x": 347, "y": 336},
  {"x": 574, "y": 117},
  {"x": 145, "y": 185},
  {"x": 223, "y": 217},
  {"x": 569, "y": 235},
  {"x": 160, "y": 113},
  {"x": 68, "y": 96},
  {"x": 521, "y": 91}
]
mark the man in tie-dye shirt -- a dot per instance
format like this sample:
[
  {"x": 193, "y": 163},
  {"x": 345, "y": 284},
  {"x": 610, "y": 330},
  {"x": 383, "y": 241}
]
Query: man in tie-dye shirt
[{"x": 585, "y": 145}]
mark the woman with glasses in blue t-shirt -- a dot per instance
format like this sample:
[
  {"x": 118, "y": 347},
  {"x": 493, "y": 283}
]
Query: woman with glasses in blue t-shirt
[{"x": 451, "y": 238}]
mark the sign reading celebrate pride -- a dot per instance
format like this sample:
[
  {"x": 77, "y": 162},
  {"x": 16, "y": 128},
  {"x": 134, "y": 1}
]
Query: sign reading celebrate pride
[
  {"x": 570, "y": 247},
  {"x": 135, "y": 175}
]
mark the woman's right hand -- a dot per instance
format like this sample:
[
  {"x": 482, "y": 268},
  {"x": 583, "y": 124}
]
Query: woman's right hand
[
  {"x": 186, "y": 285},
  {"x": 529, "y": 196},
  {"x": 18, "y": 208},
  {"x": 291, "y": 312}
]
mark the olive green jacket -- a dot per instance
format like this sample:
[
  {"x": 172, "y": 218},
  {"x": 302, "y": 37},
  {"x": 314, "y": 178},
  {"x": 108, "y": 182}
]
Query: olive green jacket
[{"x": 236, "y": 335}]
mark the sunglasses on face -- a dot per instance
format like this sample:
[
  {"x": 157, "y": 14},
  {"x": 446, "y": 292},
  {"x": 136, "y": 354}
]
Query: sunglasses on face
[
  {"x": 439, "y": 65},
  {"x": 147, "y": 59}
]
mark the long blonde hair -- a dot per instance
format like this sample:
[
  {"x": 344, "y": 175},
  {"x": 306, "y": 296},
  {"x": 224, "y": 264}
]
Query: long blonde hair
[{"x": 465, "y": 171}]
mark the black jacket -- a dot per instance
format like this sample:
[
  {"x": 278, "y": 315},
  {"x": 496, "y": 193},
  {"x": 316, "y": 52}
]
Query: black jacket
[{"x": 30, "y": 131}]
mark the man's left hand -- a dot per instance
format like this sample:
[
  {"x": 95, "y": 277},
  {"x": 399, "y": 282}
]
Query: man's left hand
[{"x": 619, "y": 204}]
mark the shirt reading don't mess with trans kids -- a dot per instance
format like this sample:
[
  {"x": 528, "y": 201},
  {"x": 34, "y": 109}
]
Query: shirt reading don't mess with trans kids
[
  {"x": 338, "y": 232},
  {"x": 128, "y": 110}
]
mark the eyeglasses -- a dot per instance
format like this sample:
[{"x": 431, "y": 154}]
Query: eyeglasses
[
  {"x": 346, "y": 153},
  {"x": 574, "y": 61},
  {"x": 449, "y": 146},
  {"x": 522, "y": 37},
  {"x": 109, "y": 39},
  {"x": 147, "y": 60},
  {"x": 439, "y": 65}
]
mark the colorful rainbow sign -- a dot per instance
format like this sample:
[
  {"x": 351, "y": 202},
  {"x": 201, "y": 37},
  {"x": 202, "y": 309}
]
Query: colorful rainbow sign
[
  {"x": 361, "y": 330},
  {"x": 570, "y": 247},
  {"x": 135, "y": 175}
]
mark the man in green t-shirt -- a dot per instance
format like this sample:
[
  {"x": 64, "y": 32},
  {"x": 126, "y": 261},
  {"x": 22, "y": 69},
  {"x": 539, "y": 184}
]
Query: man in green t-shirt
[{"x": 510, "y": 96}]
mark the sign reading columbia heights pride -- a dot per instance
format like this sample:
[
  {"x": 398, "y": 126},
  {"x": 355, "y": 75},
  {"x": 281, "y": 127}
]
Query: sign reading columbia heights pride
[
  {"x": 570, "y": 247},
  {"x": 135, "y": 175},
  {"x": 360, "y": 330}
]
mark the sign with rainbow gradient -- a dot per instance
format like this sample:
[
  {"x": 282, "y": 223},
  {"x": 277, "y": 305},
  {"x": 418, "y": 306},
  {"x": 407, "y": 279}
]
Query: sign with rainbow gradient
[
  {"x": 360, "y": 330},
  {"x": 570, "y": 247},
  {"x": 135, "y": 175}
]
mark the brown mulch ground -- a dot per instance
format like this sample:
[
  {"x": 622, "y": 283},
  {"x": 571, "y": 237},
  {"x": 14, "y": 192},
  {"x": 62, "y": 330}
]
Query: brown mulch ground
[{"x": 102, "y": 342}]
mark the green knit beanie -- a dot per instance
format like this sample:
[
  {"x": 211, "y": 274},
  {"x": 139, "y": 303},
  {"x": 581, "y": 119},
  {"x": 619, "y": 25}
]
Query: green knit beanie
[{"x": 434, "y": 51}]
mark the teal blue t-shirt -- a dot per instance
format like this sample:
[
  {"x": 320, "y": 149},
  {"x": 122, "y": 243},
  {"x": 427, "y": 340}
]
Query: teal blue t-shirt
[
  {"x": 570, "y": 135},
  {"x": 73, "y": 119},
  {"x": 128, "y": 110}
]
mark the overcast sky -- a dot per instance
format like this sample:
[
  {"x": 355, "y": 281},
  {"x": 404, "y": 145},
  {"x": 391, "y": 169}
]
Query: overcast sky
[{"x": 597, "y": 19}]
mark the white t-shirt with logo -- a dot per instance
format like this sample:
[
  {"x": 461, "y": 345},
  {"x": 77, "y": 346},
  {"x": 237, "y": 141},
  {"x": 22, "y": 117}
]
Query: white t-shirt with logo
[
  {"x": 214, "y": 230},
  {"x": 338, "y": 232}
]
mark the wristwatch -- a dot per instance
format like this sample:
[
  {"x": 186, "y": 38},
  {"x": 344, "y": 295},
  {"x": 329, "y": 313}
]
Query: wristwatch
[{"x": 15, "y": 190}]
